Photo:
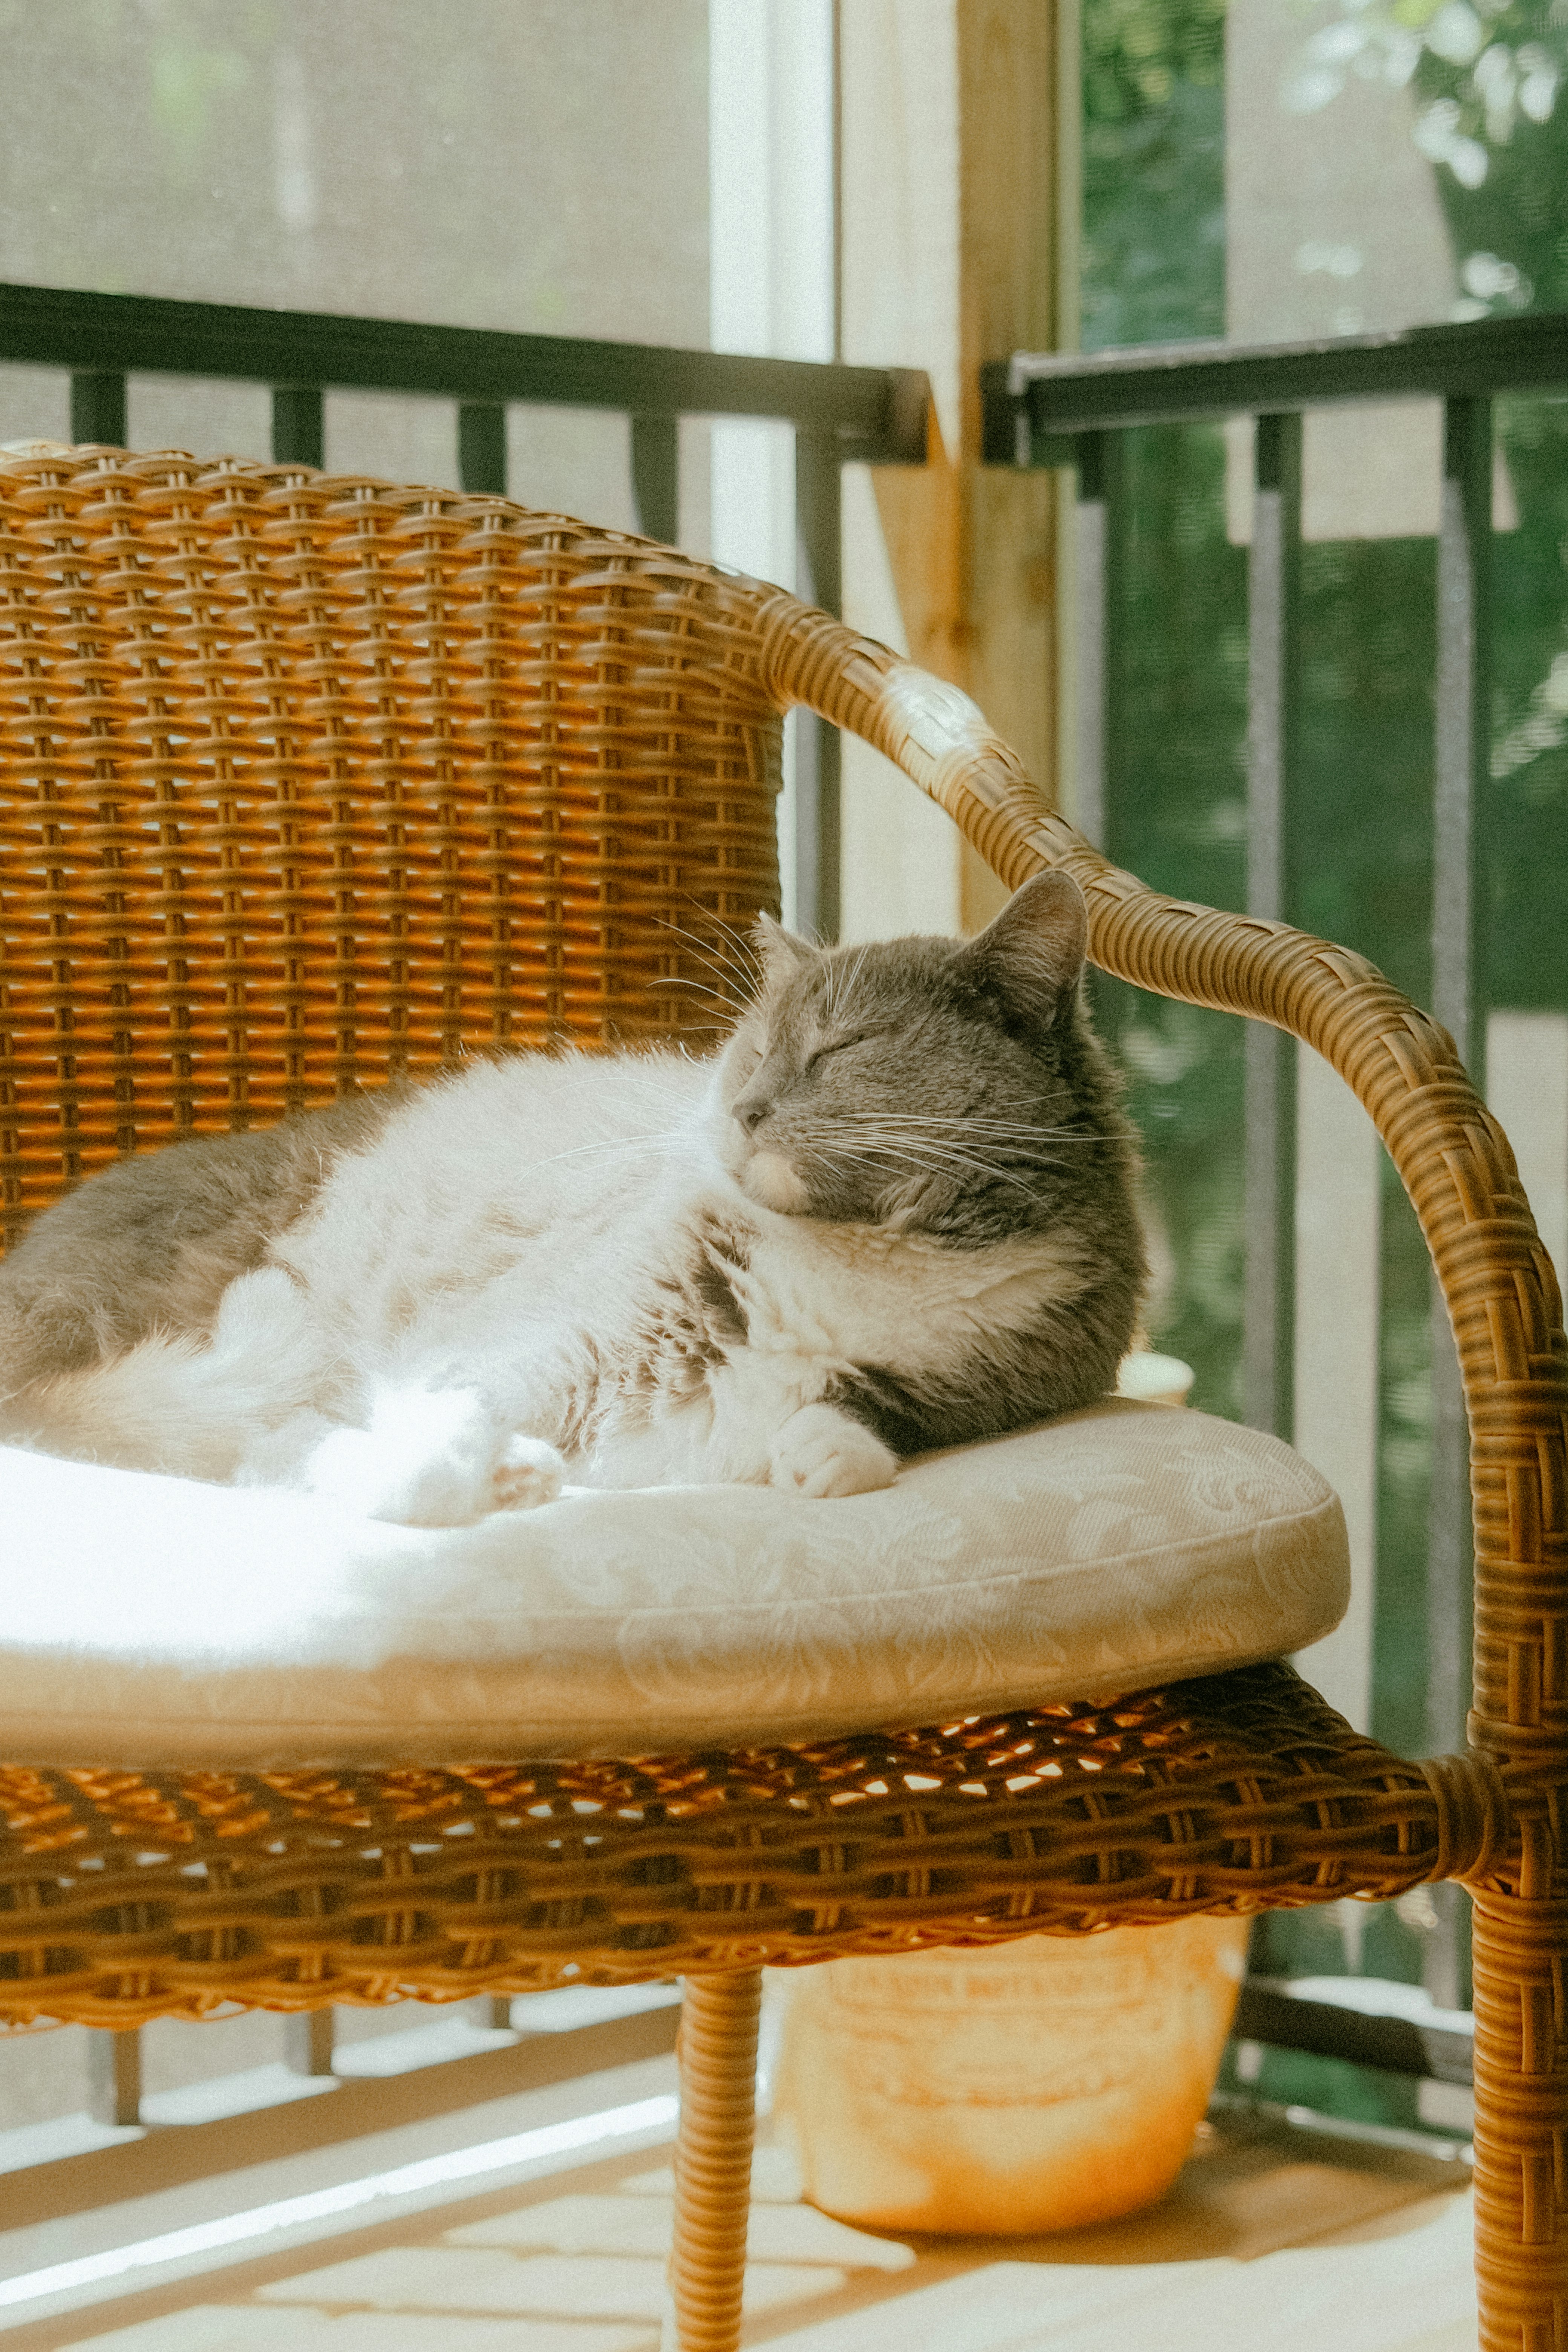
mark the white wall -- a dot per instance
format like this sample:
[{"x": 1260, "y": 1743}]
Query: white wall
[
  {"x": 770, "y": 276},
  {"x": 899, "y": 67},
  {"x": 540, "y": 167},
  {"x": 1527, "y": 1090}
]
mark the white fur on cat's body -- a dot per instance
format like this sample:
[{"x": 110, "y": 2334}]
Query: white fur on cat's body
[{"x": 421, "y": 1323}]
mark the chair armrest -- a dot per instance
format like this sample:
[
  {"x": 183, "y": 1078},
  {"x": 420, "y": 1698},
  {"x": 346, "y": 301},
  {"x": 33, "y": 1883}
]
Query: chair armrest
[{"x": 1452, "y": 1157}]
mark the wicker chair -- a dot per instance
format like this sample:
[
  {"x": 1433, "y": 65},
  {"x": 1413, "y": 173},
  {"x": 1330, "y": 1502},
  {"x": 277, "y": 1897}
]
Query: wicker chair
[{"x": 305, "y": 781}]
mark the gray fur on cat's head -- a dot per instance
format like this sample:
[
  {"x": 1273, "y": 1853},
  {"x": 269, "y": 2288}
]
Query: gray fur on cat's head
[{"x": 930, "y": 1084}]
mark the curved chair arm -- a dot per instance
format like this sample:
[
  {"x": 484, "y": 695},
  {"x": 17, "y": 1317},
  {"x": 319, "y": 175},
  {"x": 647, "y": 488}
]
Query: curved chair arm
[{"x": 1453, "y": 1159}]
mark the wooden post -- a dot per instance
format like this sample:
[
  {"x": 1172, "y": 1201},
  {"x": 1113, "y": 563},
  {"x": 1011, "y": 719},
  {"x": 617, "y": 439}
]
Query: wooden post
[{"x": 955, "y": 245}]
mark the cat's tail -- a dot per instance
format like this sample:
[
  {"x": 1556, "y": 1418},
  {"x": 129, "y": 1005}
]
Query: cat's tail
[{"x": 190, "y": 1407}]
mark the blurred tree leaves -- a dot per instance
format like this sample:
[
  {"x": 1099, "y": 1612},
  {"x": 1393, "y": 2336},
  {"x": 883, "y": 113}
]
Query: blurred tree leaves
[
  {"x": 1154, "y": 180},
  {"x": 1136, "y": 51},
  {"x": 1488, "y": 83}
]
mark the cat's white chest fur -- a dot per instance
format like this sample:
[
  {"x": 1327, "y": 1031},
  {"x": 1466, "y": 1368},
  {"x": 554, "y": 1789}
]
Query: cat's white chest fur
[
  {"x": 857, "y": 1293},
  {"x": 818, "y": 1302}
]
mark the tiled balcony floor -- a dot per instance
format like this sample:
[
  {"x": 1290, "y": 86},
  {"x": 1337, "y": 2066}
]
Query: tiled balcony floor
[{"x": 1274, "y": 2238}]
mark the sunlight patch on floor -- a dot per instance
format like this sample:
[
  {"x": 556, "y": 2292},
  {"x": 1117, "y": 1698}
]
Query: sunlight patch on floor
[{"x": 1270, "y": 2237}]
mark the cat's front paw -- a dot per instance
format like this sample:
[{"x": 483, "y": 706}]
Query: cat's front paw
[
  {"x": 527, "y": 1473},
  {"x": 820, "y": 1451},
  {"x": 433, "y": 1459}
]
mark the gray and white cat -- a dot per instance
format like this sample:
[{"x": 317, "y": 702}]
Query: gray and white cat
[{"x": 894, "y": 1212}]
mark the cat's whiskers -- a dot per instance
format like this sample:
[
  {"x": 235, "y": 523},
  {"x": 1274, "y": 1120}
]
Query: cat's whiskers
[
  {"x": 840, "y": 983},
  {"x": 739, "y": 938},
  {"x": 1025, "y": 1143},
  {"x": 990, "y": 1157},
  {"x": 979, "y": 1127},
  {"x": 742, "y": 990},
  {"x": 1011, "y": 1169},
  {"x": 697, "y": 988},
  {"x": 935, "y": 1159},
  {"x": 751, "y": 960}
]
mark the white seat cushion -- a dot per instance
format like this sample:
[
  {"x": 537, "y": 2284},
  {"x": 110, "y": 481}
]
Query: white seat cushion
[{"x": 149, "y": 1622}]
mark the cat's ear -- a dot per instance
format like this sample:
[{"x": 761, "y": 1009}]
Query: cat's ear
[
  {"x": 1032, "y": 956},
  {"x": 781, "y": 951}
]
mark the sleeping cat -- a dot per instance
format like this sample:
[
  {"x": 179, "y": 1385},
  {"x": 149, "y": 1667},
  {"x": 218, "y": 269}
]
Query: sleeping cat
[{"x": 895, "y": 1212}]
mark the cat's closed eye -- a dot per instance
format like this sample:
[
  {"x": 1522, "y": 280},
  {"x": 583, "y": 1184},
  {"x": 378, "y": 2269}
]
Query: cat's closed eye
[{"x": 838, "y": 1045}]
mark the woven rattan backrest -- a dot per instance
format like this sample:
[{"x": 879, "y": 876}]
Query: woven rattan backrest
[{"x": 306, "y": 783}]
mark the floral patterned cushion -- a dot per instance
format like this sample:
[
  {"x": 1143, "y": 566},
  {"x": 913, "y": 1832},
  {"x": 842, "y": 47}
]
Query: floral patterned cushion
[{"x": 153, "y": 1622}]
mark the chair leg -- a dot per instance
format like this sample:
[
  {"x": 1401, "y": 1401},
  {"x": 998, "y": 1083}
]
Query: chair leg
[
  {"x": 713, "y": 2158},
  {"x": 1522, "y": 2122}
]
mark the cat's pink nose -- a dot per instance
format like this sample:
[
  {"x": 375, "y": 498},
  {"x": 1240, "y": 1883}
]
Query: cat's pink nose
[{"x": 749, "y": 1114}]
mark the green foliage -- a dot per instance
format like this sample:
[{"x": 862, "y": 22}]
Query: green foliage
[
  {"x": 1331, "y": 2087},
  {"x": 1153, "y": 222},
  {"x": 1153, "y": 171},
  {"x": 1136, "y": 53},
  {"x": 1404, "y": 1482},
  {"x": 1502, "y": 174},
  {"x": 1488, "y": 77},
  {"x": 1153, "y": 271},
  {"x": 1176, "y": 751},
  {"x": 1361, "y": 823}
]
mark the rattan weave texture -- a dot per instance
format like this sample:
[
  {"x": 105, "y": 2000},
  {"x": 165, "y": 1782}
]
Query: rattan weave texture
[
  {"x": 304, "y": 783},
  {"x": 127, "y": 1896}
]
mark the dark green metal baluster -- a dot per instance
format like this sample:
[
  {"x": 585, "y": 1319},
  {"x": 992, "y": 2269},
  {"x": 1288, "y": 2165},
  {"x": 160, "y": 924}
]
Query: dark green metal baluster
[
  {"x": 656, "y": 476},
  {"x": 482, "y": 447},
  {"x": 1458, "y": 996},
  {"x": 817, "y": 758},
  {"x": 299, "y": 424},
  {"x": 1100, "y": 542},
  {"x": 97, "y": 408},
  {"x": 1273, "y": 707}
]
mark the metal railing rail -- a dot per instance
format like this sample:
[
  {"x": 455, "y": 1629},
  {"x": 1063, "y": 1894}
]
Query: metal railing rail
[
  {"x": 874, "y": 415},
  {"x": 1051, "y": 409},
  {"x": 1049, "y": 394}
]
